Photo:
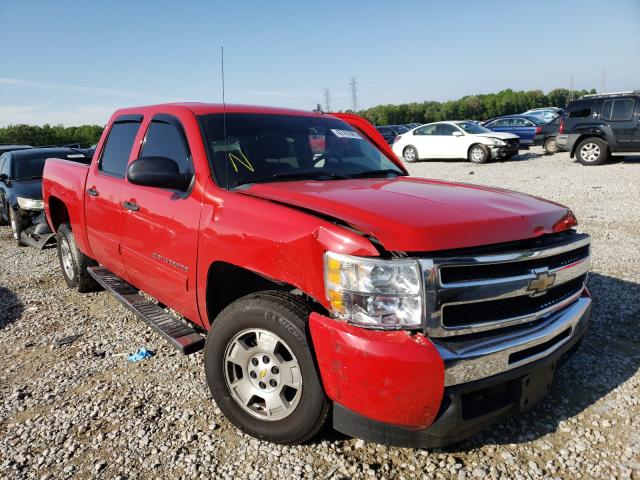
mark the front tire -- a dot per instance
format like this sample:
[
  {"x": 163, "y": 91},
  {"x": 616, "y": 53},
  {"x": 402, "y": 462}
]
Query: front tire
[
  {"x": 410, "y": 154},
  {"x": 4, "y": 222},
  {"x": 479, "y": 154},
  {"x": 550, "y": 145},
  {"x": 15, "y": 219},
  {"x": 592, "y": 151},
  {"x": 73, "y": 262},
  {"x": 260, "y": 368}
]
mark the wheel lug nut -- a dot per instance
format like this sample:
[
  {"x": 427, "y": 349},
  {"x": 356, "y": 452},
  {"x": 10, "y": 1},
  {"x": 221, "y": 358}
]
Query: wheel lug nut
[
  {"x": 254, "y": 361},
  {"x": 253, "y": 374},
  {"x": 265, "y": 359},
  {"x": 275, "y": 370},
  {"x": 262, "y": 385},
  {"x": 273, "y": 383}
]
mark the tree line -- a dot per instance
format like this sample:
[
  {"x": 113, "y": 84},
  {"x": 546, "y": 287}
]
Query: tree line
[
  {"x": 85, "y": 135},
  {"x": 471, "y": 107}
]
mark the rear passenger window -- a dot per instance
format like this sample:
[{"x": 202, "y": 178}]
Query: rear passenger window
[
  {"x": 618, "y": 110},
  {"x": 117, "y": 149},
  {"x": 167, "y": 140},
  {"x": 580, "y": 111}
]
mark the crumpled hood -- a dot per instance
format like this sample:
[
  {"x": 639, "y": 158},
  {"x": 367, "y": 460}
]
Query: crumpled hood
[
  {"x": 28, "y": 188},
  {"x": 417, "y": 214},
  {"x": 500, "y": 135}
]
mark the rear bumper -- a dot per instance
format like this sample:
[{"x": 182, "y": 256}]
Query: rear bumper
[
  {"x": 383, "y": 396},
  {"x": 565, "y": 142}
]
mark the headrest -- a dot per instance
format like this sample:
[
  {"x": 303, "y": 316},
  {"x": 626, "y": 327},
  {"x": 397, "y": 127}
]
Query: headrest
[{"x": 273, "y": 146}]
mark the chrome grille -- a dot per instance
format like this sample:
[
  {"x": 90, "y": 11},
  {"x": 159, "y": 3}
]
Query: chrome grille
[{"x": 468, "y": 294}]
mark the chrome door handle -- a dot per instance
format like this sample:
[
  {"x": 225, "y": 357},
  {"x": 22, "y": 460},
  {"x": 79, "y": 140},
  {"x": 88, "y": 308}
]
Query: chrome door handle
[
  {"x": 93, "y": 192},
  {"x": 132, "y": 206}
]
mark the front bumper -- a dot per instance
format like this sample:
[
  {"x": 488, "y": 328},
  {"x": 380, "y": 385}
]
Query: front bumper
[
  {"x": 394, "y": 393},
  {"x": 506, "y": 151}
]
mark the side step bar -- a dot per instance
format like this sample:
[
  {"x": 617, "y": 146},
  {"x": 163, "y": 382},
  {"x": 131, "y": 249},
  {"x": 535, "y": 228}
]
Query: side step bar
[{"x": 175, "y": 331}]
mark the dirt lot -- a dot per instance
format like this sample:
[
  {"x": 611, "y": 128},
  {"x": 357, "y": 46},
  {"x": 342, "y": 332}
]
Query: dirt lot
[{"x": 83, "y": 410}]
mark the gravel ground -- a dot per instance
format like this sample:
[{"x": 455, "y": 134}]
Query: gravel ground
[{"x": 83, "y": 410}]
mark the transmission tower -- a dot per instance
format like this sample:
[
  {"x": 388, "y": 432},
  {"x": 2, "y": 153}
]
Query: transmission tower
[
  {"x": 327, "y": 99},
  {"x": 354, "y": 93}
]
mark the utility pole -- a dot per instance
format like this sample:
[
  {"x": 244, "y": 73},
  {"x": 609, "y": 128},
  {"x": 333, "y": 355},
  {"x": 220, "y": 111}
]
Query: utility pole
[
  {"x": 327, "y": 99},
  {"x": 603, "y": 81},
  {"x": 571, "y": 87},
  {"x": 354, "y": 93}
]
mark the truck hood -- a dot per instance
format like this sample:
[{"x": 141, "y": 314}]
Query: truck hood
[
  {"x": 500, "y": 135},
  {"x": 417, "y": 214}
]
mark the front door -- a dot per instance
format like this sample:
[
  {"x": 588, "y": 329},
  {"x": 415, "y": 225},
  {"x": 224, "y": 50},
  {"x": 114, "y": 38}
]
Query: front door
[
  {"x": 105, "y": 190},
  {"x": 449, "y": 146},
  {"x": 160, "y": 226}
]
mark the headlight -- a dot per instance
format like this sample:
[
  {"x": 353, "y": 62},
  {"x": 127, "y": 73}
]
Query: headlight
[
  {"x": 498, "y": 143},
  {"x": 30, "y": 204},
  {"x": 374, "y": 293}
]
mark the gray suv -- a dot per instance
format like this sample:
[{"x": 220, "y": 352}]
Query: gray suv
[{"x": 596, "y": 127}]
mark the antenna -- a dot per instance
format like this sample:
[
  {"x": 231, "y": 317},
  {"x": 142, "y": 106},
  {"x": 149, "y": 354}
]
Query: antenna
[{"x": 224, "y": 122}]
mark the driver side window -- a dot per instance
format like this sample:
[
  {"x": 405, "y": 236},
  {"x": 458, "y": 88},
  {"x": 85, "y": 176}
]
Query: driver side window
[
  {"x": 446, "y": 130},
  {"x": 164, "y": 139}
]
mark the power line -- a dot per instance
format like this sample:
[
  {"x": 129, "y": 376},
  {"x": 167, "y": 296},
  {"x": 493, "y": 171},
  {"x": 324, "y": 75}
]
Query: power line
[
  {"x": 354, "y": 93},
  {"x": 327, "y": 99}
]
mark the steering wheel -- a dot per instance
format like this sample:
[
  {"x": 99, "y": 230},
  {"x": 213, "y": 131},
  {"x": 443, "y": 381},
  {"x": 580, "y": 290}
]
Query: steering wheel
[{"x": 324, "y": 156}]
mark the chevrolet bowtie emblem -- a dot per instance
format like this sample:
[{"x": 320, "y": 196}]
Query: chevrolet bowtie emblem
[
  {"x": 263, "y": 373},
  {"x": 541, "y": 283}
]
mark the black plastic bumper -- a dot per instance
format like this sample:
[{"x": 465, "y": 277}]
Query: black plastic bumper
[{"x": 467, "y": 408}]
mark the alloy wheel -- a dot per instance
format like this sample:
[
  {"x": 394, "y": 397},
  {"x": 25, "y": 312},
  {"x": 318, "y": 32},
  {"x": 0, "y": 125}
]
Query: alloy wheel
[
  {"x": 590, "y": 152},
  {"x": 67, "y": 260}
]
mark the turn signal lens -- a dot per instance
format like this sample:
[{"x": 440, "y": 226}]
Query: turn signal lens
[{"x": 567, "y": 221}]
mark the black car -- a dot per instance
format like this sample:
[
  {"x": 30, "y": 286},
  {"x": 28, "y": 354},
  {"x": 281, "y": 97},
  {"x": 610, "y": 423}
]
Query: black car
[
  {"x": 545, "y": 135},
  {"x": 390, "y": 132},
  {"x": 21, "y": 192},
  {"x": 596, "y": 127}
]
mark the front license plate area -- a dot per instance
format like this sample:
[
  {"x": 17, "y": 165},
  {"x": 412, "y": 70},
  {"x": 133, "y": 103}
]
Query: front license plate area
[{"x": 535, "y": 386}]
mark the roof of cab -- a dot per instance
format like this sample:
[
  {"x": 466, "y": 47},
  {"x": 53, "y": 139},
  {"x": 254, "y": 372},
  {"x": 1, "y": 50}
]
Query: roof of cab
[{"x": 209, "y": 108}]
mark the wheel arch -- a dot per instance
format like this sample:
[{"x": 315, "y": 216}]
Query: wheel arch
[
  {"x": 590, "y": 134},
  {"x": 227, "y": 282},
  {"x": 58, "y": 212},
  {"x": 411, "y": 145}
]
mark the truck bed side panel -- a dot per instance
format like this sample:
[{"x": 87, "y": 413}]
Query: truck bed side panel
[{"x": 65, "y": 181}]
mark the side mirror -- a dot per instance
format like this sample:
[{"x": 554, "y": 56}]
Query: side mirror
[
  {"x": 158, "y": 172},
  {"x": 457, "y": 134}
]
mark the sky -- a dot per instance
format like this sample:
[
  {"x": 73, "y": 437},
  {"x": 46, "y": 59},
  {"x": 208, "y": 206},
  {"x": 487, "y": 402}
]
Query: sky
[{"x": 75, "y": 62}]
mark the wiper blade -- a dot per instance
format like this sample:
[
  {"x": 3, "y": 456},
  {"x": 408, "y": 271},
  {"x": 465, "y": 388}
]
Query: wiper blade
[
  {"x": 284, "y": 176},
  {"x": 377, "y": 173}
]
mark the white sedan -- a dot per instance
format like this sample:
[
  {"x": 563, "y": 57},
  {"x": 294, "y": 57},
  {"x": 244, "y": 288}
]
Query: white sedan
[{"x": 464, "y": 139}]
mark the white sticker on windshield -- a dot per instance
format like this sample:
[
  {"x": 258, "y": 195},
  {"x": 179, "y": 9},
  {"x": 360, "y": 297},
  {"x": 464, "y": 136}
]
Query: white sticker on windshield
[{"x": 346, "y": 134}]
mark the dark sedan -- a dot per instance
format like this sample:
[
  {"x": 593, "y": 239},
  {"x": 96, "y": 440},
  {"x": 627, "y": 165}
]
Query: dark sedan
[
  {"x": 546, "y": 135},
  {"x": 21, "y": 192},
  {"x": 524, "y": 126},
  {"x": 390, "y": 132}
]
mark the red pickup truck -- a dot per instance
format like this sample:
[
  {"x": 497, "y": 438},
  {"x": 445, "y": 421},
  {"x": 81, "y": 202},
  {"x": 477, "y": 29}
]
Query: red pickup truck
[{"x": 330, "y": 284}]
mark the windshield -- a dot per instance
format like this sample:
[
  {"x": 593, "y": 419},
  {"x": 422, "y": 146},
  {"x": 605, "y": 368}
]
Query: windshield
[
  {"x": 473, "y": 128},
  {"x": 267, "y": 148},
  {"x": 26, "y": 168}
]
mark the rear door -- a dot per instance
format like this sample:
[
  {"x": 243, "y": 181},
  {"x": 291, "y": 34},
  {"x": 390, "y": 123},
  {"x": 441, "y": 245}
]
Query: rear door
[
  {"x": 501, "y": 125},
  {"x": 426, "y": 141},
  {"x": 620, "y": 114},
  {"x": 160, "y": 233},
  {"x": 525, "y": 129},
  {"x": 105, "y": 190}
]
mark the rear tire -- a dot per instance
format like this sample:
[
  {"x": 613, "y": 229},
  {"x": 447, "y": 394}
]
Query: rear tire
[
  {"x": 550, "y": 145},
  {"x": 15, "y": 219},
  {"x": 4, "y": 205},
  {"x": 479, "y": 154},
  {"x": 410, "y": 154},
  {"x": 73, "y": 262},
  {"x": 260, "y": 368},
  {"x": 592, "y": 151}
]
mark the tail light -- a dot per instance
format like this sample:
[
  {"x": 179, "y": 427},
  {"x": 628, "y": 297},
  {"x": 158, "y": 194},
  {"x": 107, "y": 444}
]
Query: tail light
[
  {"x": 538, "y": 130},
  {"x": 561, "y": 127},
  {"x": 397, "y": 138}
]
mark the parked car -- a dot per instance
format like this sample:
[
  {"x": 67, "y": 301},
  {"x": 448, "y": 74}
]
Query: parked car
[
  {"x": 545, "y": 135},
  {"x": 9, "y": 148},
  {"x": 524, "y": 126},
  {"x": 21, "y": 192},
  {"x": 599, "y": 126},
  {"x": 333, "y": 286},
  {"x": 411, "y": 126},
  {"x": 463, "y": 139},
  {"x": 390, "y": 132},
  {"x": 547, "y": 114}
]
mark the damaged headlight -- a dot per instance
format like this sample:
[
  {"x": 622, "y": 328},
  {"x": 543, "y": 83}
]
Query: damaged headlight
[
  {"x": 374, "y": 293},
  {"x": 30, "y": 204}
]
